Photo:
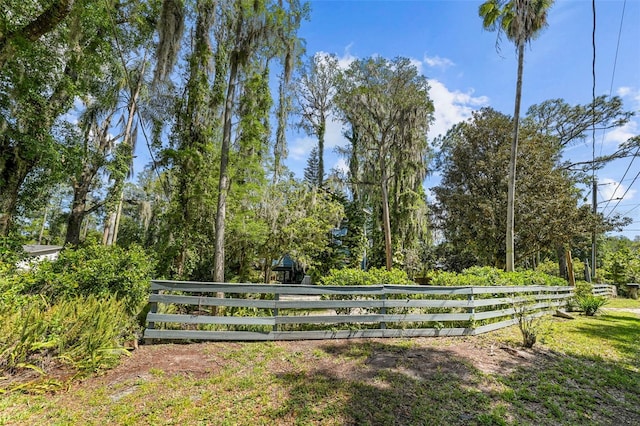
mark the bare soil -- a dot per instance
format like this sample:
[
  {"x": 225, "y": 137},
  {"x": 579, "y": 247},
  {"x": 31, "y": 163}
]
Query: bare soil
[{"x": 423, "y": 357}]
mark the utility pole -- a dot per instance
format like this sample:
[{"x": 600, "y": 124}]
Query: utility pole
[{"x": 593, "y": 234}]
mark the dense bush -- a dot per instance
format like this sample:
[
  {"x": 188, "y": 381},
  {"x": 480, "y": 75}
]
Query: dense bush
[
  {"x": 93, "y": 270},
  {"x": 79, "y": 309},
  {"x": 487, "y": 276},
  {"x": 374, "y": 276}
]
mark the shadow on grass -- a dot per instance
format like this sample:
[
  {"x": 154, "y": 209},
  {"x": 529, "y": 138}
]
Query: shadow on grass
[
  {"x": 389, "y": 386},
  {"x": 384, "y": 384},
  {"x": 623, "y": 330}
]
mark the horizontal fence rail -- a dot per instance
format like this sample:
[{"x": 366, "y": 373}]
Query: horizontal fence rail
[
  {"x": 606, "y": 290},
  {"x": 184, "y": 310}
]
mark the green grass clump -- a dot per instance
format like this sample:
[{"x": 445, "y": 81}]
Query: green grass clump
[{"x": 590, "y": 305}]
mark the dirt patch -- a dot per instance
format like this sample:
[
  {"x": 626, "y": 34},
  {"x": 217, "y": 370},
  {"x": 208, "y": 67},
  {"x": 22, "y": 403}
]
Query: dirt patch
[
  {"x": 422, "y": 359},
  {"x": 362, "y": 359}
]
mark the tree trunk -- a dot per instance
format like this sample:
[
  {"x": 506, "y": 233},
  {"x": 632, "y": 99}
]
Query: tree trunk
[
  {"x": 78, "y": 211},
  {"x": 112, "y": 224},
  {"x": 118, "y": 216},
  {"x": 562, "y": 261},
  {"x": 223, "y": 185},
  {"x": 511, "y": 195},
  {"x": 44, "y": 221},
  {"x": 321, "y": 132},
  {"x": 12, "y": 175},
  {"x": 386, "y": 223}
]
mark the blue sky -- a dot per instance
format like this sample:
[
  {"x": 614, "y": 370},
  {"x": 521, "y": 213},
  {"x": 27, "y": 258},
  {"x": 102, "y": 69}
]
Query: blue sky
[{"x": 446, "y": 41}]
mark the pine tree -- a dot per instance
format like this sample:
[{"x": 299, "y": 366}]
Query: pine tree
[{"x": 312, "y": 170}]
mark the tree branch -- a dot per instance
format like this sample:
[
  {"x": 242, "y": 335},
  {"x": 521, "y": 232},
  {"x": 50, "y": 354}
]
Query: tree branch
[{"x": 41, "y": 25}]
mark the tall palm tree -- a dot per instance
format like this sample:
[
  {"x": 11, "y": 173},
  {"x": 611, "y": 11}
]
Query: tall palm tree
[{"x": 521, "y": 21}]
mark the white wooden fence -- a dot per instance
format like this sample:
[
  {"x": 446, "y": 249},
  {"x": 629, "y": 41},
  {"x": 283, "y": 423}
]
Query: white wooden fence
[
  {"x": 182, "y": 310},
  {"x": 606, "y": 290}
]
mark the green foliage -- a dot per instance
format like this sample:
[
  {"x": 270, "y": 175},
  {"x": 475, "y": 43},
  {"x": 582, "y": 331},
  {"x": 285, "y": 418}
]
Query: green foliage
[
  {"x": 590, "y": 304},
  {"x": 386, "y": 104},
  {"x": 85, "y": 332},
  {"x": 583, "y": 288},
  {"x": 300, "y": 223},
  {"x": 471, "y": 200},
  {"x": 488, "y": 276},
  {"x": 620, "y": 262},
  {"x": 548, "y": 267},
  {"x": 11, "y": 253},
  {"x": 374, "y": 276},
  {"x": 92, "y": 270}
]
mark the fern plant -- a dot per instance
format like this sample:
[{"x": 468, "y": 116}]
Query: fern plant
[{"x": 590, "y": 304}]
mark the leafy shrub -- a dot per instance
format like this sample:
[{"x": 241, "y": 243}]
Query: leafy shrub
[
  {"x": 583, "y": 289},
  {"x": 93, "y": 270},
  {"x": 352, "y": 276},
  {"x": 488, "y": 276},
  {"x": 548, "y": 267},
  {"x": 590, "y": 304},
  {"x": 374, "y": 276}
]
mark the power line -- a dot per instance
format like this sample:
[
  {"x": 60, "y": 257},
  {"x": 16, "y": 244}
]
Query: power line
[
  {"x": 624, "y": 176},
  {"x": 593, "y": 141},
  {"x": 635, "y": 206},
  {"x": 615, "y": 62},
  {"x": 625, "y": 193}
]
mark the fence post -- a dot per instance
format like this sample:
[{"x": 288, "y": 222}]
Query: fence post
[
  {"x": 383, "y": 309},
  {"x": 153, "y": 308},
  {"x": 471, "y": 309},
  {"x": 275, "y": 310}
]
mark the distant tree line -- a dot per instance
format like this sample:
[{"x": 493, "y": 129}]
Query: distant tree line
[{"x": 209, "y": 89}]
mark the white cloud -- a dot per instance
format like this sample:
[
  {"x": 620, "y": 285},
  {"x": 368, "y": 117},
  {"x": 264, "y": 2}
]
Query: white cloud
[
  {"x": 630, "y": 93},
  {"x": 622, "y": 134},
  {"x": 451, "y": 107},
  {"x": 345, "y": 60},
  {"x": 334, "y": 134},
  {"x": 438, "y": 62},
  {"x": 624, "y": 91},
  {"x": 611, "y": 190},
  {"x": 341, "y": 165},
  {"x": 300, "y": 147},
  {"x": 418, "y": 64}
]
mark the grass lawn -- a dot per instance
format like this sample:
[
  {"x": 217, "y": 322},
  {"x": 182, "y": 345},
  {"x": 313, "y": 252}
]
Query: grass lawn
[
  {"x": 584, "y": 371},
  {"x": 620, "y": 302}
]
